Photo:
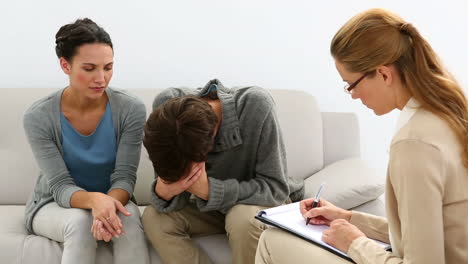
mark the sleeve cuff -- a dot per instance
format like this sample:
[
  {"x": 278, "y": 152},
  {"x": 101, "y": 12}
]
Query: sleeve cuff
[
  {"x": 164, "y": 206},
  {"x": 66, "y": 194},
  {"x": 375, "y": 227},
  {"x": 356, "y": 249},
  {"x": 124, "y": 186},
  {"x": 365, "y": 250},
  {"x": 216, "y": 196}
]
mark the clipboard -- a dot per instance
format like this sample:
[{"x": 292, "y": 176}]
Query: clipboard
[{"x": 289, "y": 218}]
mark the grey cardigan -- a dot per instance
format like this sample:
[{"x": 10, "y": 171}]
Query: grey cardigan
[
  {"x": 248, "y": 162},
  {"x": 43, "y": 131}
]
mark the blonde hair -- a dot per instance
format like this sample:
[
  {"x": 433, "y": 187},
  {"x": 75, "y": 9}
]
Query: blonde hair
[{"x": 378, "y": 37}]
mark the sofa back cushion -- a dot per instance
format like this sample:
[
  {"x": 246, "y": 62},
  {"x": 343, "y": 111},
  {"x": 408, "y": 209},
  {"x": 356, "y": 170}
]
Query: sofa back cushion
[
  {"x": 297, "y": 111},
  {"x": 301, "y": 123},
  {"x": 18, "y": 169}
]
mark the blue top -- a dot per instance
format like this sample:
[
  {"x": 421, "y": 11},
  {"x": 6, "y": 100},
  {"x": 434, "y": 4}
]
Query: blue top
[{"x": 90, "y": 159}]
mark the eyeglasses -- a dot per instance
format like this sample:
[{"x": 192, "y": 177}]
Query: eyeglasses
[{"x": 348, "y": 88}]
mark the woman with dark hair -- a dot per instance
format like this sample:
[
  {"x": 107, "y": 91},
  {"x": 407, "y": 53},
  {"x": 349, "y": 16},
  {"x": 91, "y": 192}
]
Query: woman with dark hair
[
  {"x": 388, "y": 65},
  {"x": 86, "y": 139}
]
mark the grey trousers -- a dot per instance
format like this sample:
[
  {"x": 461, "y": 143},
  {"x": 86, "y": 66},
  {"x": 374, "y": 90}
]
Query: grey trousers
[{"x": 72, "y": 227}]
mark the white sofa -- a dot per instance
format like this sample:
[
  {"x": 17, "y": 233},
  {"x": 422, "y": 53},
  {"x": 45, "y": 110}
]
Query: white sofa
[{"x": 320, "y": 147}]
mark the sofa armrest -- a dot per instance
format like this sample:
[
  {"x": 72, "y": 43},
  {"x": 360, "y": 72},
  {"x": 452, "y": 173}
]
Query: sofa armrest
[
  {"x": 340, "y": 136},
  {"x": 349, "y": 183}
]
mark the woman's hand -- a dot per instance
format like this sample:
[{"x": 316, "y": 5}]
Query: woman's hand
[
  {"x": 324, "y": 213},
  {"x": 104, "y": 208},
  {"x": 341, "y": 234},
  {"x": 99, "y": 232},
  {"x": 167, "y": 190}
]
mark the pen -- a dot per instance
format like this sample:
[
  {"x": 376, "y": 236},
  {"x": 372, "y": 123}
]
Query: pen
[{"x": 316, "y": 200}]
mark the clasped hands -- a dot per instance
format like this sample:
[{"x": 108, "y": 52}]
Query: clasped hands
[
  {"x": 195, "y": 181},
  {"x": 341, "y": 232},
  {"x": 106, "y": 223}
]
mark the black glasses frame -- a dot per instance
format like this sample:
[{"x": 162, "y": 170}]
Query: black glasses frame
[{"x": 348, "y": 88}]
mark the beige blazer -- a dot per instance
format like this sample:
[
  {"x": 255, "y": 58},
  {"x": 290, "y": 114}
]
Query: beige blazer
[{"x": 426, "y": 199}]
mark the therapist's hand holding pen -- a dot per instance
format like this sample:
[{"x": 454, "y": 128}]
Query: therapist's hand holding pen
[
  {"x": 341, "y": 233},
  {"x": 321, "y": 212}
]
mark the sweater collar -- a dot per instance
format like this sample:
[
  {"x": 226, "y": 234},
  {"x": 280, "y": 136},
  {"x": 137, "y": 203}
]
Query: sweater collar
[{"x": 229, "y": 135}]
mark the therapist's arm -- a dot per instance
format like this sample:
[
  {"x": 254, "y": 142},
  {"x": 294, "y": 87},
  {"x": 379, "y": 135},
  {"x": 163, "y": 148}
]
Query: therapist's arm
[
  {"x": 375, "y": 227},
  {"x": 416, "y": 174}
]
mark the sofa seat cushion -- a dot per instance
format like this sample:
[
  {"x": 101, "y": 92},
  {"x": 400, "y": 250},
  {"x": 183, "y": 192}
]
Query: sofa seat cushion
[{"x": 12, "y": 233}]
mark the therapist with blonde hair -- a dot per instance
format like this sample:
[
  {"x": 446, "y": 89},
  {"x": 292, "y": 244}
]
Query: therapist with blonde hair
[{"x": 388, "y": 65}]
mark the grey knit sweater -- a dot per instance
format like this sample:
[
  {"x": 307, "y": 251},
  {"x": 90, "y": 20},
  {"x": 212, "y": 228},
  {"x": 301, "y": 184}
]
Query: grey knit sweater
[
  {"x": 43, "y": 131},
  {"x": 248, "y": 162}
]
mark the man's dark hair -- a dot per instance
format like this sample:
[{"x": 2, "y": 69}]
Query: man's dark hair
[
  {"x": 73, "y": 35},
  {"x": 177, "y": 133}
]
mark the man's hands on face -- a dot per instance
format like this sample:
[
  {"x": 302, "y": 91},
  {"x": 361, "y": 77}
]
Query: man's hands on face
[
  {"x": 167, "y": 190},
  {"x": 201, "y": 187}
]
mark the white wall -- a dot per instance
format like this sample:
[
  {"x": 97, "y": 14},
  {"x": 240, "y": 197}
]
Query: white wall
[{"x": 271, "y": 43}]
